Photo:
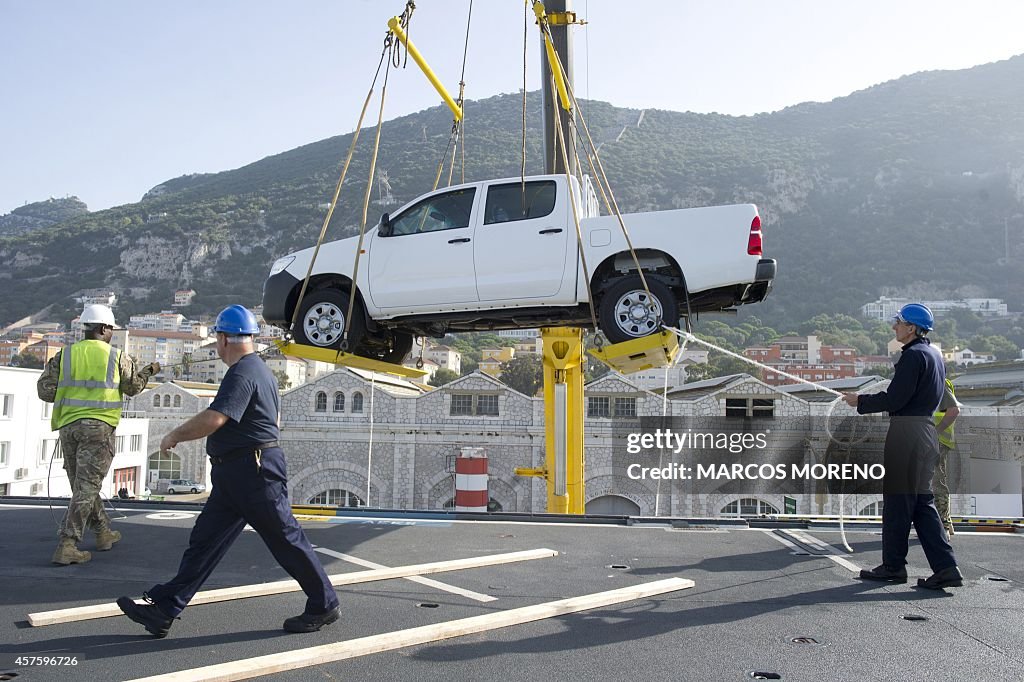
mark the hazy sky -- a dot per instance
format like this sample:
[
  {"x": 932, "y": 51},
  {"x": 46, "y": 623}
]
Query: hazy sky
[{"x": 106, "y": 99}]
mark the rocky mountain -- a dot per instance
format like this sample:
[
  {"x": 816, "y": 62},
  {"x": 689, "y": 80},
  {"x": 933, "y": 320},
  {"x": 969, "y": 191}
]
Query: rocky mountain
[
  {"x": 41, "y": 214},
  {"x": 915, "y": 184}
]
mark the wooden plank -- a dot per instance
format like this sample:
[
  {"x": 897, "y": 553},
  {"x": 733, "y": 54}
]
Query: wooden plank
[
  {"x": 283, "y": 586},
  {"x": 338, "y": 651},
  {"x": 436, "y": 584}
]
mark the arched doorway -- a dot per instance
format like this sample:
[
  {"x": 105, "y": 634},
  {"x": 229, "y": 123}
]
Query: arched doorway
[{"x": 612, "y": 504}]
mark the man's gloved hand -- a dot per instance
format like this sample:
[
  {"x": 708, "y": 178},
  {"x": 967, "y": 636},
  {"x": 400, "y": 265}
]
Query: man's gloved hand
[{"x": 154, "y": 368}]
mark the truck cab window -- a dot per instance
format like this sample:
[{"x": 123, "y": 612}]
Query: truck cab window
[
  {"x": 448, "y": 211},
  {"x": 510, "y": 202}
]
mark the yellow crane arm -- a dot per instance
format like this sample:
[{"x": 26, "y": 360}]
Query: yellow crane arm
[
  {"x": 395, "y": 25},
  {"x": 556, "y": 68}
]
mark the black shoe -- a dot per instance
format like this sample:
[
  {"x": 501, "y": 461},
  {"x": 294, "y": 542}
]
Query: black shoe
[
  {"x": 886, "y": 574},
  {"x": 311, "y": 622},
  {"x": 148, "y": 615},
  {"x": 947, "y": 577}
]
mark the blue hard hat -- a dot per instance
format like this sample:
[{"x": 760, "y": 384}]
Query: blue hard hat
[
  {"x": 236, "y": 319},
  {"x": 918, "y": 315}
]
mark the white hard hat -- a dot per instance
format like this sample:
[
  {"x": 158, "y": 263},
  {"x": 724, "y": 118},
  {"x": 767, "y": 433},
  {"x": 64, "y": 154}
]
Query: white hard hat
[{"x": 97, "y": 314}]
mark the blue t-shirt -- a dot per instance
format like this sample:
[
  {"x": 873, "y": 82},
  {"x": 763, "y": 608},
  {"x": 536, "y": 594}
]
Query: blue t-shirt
[{"x": 248, "y": 398}]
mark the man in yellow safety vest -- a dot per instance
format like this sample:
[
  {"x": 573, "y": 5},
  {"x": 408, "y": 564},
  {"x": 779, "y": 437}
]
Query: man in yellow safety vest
[
  {"x": 86, "y": 383},
  {"x": 949, "y": 410}
]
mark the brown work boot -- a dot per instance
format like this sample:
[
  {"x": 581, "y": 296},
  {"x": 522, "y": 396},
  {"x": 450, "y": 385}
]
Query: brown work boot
[
  {"x": 67, "y": 553},
  {"x": 106, "y": 538}
]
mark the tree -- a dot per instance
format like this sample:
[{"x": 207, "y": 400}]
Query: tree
[
  {"x": 443, "y": 376},
  {"x": 523, "y": 373},
  {"x": 27, "y": 361},
  {"x": 283, "y": 381}
]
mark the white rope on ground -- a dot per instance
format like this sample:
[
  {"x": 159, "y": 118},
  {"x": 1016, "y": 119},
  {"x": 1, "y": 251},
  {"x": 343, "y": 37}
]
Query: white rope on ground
[{"x": 687, "y": 336}]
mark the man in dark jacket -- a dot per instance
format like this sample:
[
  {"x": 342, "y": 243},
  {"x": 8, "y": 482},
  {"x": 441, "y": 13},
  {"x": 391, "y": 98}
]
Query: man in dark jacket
[
  {"x": 250, "y": 486},
  {"x": 911, "y": 454}
]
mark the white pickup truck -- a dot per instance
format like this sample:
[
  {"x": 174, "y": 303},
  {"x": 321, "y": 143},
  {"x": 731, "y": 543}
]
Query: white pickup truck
[{"x": 503, "y": 254}]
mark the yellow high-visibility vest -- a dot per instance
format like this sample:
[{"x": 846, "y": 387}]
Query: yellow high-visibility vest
[
  {"x": 87, "y": 387},
  {"x": 947, "y": 437}
]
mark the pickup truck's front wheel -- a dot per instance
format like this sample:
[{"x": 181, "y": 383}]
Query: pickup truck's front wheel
[
  {"x": 322, "y": 320},
  {"x": 627, "y": 312}
]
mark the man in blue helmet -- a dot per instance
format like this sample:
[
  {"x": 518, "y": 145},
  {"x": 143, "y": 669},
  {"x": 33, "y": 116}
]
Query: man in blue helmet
[
  {"x": 911, "y": 454},
  {"x": 250, "y": 485}
]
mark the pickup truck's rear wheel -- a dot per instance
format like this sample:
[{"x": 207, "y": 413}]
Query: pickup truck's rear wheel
[
  {"x": 401, "y": 345},
  {"x": 322, "y": 320},
  {"x": 627, "y": 312}
]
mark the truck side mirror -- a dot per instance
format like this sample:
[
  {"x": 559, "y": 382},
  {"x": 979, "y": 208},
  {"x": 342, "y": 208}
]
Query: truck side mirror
[{"x": 385, "y": 226}]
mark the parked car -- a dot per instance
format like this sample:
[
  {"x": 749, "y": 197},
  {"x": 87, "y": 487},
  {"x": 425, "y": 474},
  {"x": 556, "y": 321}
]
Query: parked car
[
  {"x": 504, "y": 254},
  {"x": 181, "y": 485}
]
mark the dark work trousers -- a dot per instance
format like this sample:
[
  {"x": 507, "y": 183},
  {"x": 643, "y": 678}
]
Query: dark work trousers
[
  {"x": 911, "y": 453},
  {"x": 244, "y": 492}
]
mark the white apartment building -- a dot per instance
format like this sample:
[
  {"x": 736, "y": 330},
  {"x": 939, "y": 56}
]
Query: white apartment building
[
  {"x": 885, "y": 308},
  {"x": 31, "y": 462},
  {"x": 520, "y": 333},
  {"x": 444, "y": 356},
  {"x": 167, "y": 348},
  {"x": 183, "y": 297},
  {"x": 97, "y": 297},
  {"x": 655, "y": 379}
]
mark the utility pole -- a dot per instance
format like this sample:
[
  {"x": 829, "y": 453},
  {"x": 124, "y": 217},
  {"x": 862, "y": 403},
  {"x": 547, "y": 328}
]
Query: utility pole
[{"x": 561, "y": 38}]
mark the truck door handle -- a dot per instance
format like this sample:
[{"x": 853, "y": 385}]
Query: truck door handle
[
  {"x": 463, "y": 240},
  {"x": 551, "y": 230}
]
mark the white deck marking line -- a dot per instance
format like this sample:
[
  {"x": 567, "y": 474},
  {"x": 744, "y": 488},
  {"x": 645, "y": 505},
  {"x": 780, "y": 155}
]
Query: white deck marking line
[
  {"x": 437, "y": 584},
  {"x": 833, "y": 553},
  {"x": 771, "y": 533},
  {"x": 283, "y": 586},
  {"x": 338, "y": 651}
]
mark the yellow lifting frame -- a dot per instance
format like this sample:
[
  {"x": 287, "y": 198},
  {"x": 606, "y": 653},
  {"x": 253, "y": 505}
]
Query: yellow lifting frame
[
  {"x": 556, "y": 69},
  {"x": 648, "y": 352},
  {"x": 563, "y": 420},
  {"x": 336, "y": 357},
  {"x": 395, "y": 24}
]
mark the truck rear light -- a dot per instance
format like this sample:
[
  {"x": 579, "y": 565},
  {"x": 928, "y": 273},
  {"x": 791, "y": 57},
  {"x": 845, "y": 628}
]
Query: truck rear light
[{"x": 754, "y": 240}]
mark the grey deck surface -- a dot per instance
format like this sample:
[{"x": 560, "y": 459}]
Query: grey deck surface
[{"x": 753, "y": 596}]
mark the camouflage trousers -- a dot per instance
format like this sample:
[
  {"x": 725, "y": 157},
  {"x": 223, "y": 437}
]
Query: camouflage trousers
[
  {"x": 88, "y": 446},
  {"x": 940, "y": 485}
]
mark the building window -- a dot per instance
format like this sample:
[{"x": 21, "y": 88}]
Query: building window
[
  {"x": 5, "y": 448},
  {"x": 462, "y": 404},
  {"x": 177, "y": 401},
  {"x": 756, "y": 408},
  {"x": 47, "y": 410},
  {"x": 165, "y": 464},
  {"x": 625, "y": 407},
  {"x": 487, "y": 405},
  {"x": 49, "y": 447},
  {"x": 321, "y": 401},
  {"x": 472, "y": 404},
  {"x": 337, "y": 497},
  {"x": 339, "y": 402},
  {"x": 357, "y": 402},
  {"x": 167, "y": 400},
  {"x": 748, "y": 506},
  {"x": 599, "y": 406},
  {"x": 119, "y": 448},
  {"x": 156, "y": 401},
  {"x": 136, "y": 444},
  {"x": 873, "y": 509},
  {"x": 6, "y": 405}
]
